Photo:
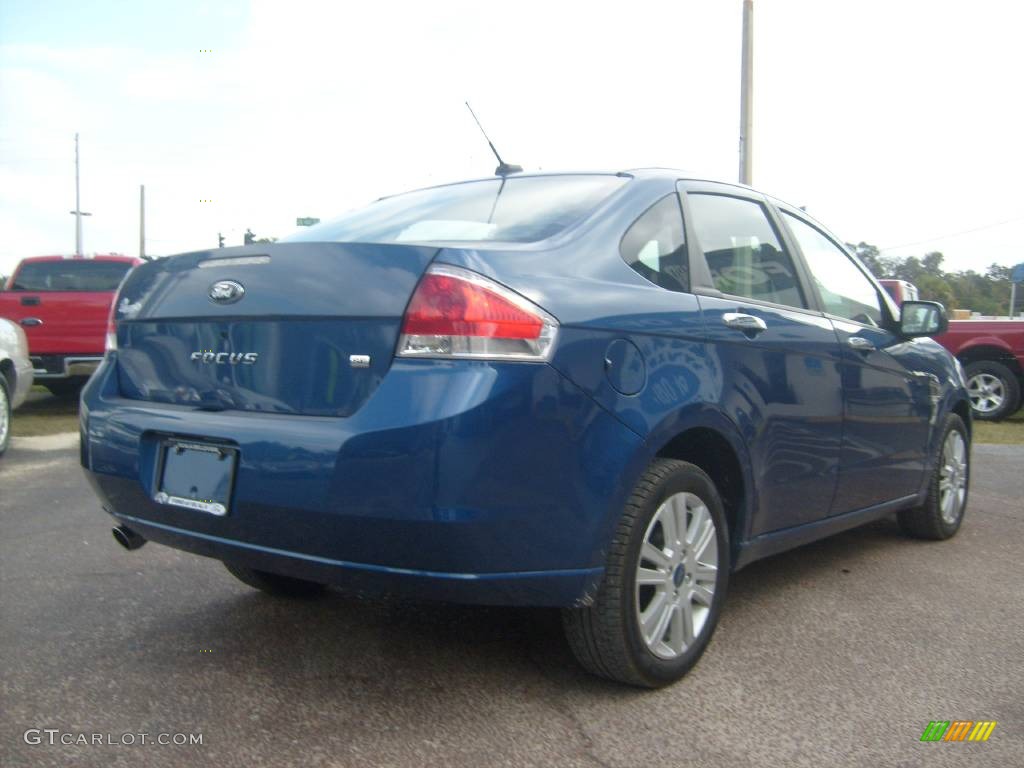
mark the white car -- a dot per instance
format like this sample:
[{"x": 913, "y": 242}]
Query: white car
[{"x": 15, "y": 376}]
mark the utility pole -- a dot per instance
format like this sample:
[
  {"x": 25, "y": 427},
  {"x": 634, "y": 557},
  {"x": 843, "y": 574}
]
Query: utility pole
[
  {"x": 78, "y": 212},
  {"x": 747, "y": 93},
  {"x": 142, "y": 221}
]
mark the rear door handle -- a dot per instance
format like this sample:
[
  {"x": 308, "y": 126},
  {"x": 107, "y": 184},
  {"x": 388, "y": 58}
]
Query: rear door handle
[
  {"x": 860, "y": 344},
  {"x": 749, "y": 324},
  {"x": 30, "y": 321}
]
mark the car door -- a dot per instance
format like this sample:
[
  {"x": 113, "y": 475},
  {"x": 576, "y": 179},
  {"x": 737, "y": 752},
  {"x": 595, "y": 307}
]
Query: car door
[
  {"x": 779, "y": 356},
  {"x": 888, "y": 403}
]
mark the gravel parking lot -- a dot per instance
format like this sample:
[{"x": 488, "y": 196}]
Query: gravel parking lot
[{"x": 838, "y": 653}]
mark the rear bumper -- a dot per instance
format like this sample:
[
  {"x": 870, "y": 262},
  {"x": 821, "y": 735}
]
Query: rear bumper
[
  {"x": 464, "y": 481},
  {"x": 542, "y": 588},
  {"x": 61, "y": 366}
]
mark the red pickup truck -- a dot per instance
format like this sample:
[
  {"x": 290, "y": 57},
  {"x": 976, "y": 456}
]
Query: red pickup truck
[
  {"x": 62, "y": 303},
  {"x": 992, "y": 353}
]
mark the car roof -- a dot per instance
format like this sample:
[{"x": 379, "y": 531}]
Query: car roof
[
  {"x": 650, "y": 172},
  {"x": 97, "y": 257}
]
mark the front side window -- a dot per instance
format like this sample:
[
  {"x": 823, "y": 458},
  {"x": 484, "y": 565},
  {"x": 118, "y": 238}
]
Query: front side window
[
  {"x": 519, "y": 209},
  {"x": 742, "y": 250},
  {"x": 654, "y": 245},
  {"x": 845, "y": 291}
]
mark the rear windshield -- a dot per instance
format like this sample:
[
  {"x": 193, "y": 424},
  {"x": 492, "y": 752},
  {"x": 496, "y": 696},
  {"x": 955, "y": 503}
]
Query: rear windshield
[
  {"x": 68, "y": 275},
  {"x": 521, "y": 209}
]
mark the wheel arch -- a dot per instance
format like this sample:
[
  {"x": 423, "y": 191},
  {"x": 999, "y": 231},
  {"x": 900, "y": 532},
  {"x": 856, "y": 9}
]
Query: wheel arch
[
  {"x": 987, "y": 349},
  {"x": 709, "y": 440},
  {"x": 9, "y": 373},
  {"x": 962, "y": 408}
]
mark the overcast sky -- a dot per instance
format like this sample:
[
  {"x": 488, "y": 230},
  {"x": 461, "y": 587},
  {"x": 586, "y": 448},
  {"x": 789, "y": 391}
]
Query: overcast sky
[{"x": 895, "y": 121}]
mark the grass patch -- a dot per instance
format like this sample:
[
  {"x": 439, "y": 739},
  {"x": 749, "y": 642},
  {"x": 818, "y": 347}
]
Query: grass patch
[
  {"x": 45, "y": 414},
  {"x": 1008, "y": 432}
]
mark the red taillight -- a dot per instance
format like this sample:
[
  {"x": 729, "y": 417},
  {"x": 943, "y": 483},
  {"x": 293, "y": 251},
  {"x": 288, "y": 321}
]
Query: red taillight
[
  {"x": 127, "y": 310},
  {"x": 457, "y": 313},
  {"x": 110, "y": 344},
  {"x": 444, "y": 305}
]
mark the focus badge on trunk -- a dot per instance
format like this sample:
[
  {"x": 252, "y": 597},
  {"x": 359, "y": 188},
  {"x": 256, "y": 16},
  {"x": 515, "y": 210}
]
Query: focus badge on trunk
[{"x": 226, "y": 292}]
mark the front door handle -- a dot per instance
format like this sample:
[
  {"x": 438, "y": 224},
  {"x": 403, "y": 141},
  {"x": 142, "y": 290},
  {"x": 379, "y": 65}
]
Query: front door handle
[
  {"x": 749, "y": 324},
  {"x": 30, "y": 321},
  {"x": 860, "y": 344}
]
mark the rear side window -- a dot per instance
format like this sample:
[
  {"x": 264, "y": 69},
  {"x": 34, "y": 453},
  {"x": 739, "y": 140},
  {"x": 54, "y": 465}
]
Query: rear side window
[
  {"x": 519, "y": 209},
  {"x": 743, "y": 251},
  {"x": 70, "y": 275},
  {"x": 655, "y": 247}
]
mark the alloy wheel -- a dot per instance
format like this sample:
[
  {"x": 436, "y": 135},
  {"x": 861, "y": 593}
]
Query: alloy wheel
[
  {"x": 986, "y": 391},
  {"x": 953, "y": 477},
  {"x": 676, "y": 574}
]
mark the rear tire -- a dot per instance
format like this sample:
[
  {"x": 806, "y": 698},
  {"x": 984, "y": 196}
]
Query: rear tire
[
  {"x": 664, "y": 584},
  {"x": 275, "y": 584},
  {"x": 993, "y": 389},
  {"x": 942, "y": 513},
  {"x": 5, "y": 414}
]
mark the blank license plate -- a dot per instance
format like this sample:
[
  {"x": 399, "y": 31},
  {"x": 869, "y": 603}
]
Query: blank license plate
[{"x": 197, "y": 476}]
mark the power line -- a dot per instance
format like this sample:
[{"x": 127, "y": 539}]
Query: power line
[{"x": 951, "y": 234}]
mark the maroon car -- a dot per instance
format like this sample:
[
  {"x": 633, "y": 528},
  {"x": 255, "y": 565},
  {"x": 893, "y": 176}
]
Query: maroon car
[{"x": 991, "y": 351}]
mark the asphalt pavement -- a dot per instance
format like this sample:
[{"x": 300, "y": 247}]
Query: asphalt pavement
[{"x": 838, "y": 653}]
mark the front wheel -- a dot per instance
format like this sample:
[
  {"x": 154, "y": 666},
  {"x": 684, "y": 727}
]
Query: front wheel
[
  {"x": 664, "y": 583},
  {"x": 993, "y": 389},
  {"x": 943, "y": 510}
]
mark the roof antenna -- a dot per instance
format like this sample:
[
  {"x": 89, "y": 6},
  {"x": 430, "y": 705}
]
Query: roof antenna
[{"x": 503, "y": 169}]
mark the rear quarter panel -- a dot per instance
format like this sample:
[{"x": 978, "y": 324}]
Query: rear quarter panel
[{"x": 597, "y": 299}]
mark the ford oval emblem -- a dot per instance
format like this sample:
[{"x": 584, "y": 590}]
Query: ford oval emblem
[{"x": 226, "y": 292}]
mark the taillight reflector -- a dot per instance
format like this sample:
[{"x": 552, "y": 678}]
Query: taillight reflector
[{"x": 458, "y": 313}]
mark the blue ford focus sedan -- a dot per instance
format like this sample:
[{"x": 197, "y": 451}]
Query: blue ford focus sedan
[{"x": 603, "y": 392}]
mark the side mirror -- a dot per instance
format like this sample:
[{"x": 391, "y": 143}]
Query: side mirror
[{"x": 922, "y": 318}]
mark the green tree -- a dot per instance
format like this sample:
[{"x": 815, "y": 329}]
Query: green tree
[
  {"x": 987, "y": 293},
  {"x": 869, "y": 255},
  {"x": 932, "y": 263},
  {"x": 934, "y": 288}
]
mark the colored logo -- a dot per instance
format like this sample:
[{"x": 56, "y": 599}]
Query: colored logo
[{"x": 958, "y": 730}]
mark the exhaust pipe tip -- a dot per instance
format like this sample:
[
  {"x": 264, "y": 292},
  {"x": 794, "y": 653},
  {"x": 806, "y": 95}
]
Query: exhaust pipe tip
[{"x": 127, "y": 538}]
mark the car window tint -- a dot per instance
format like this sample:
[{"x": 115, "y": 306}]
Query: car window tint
[
  {"x": 518, "y": 209},
  {"x": 743, "y": 251},
  {"x": 654, "y": 245},
  {"x": 70, "y": 275},
  {"x": 845, "y": 291}
]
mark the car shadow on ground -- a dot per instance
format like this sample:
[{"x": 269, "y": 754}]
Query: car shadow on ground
[{"x": 384, "y": 644}]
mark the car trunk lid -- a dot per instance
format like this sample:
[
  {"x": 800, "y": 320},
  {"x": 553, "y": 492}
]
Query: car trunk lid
[{"x": 298, "y": 328}]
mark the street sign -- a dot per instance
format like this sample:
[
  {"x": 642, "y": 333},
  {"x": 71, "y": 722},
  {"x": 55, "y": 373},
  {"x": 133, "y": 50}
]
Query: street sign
[
  {"x": 1017, "y": 275},
  {"x": 306, "y": 221}
]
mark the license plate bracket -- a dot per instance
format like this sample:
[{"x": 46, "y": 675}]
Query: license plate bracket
[{"x": 196, "y": 475}]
